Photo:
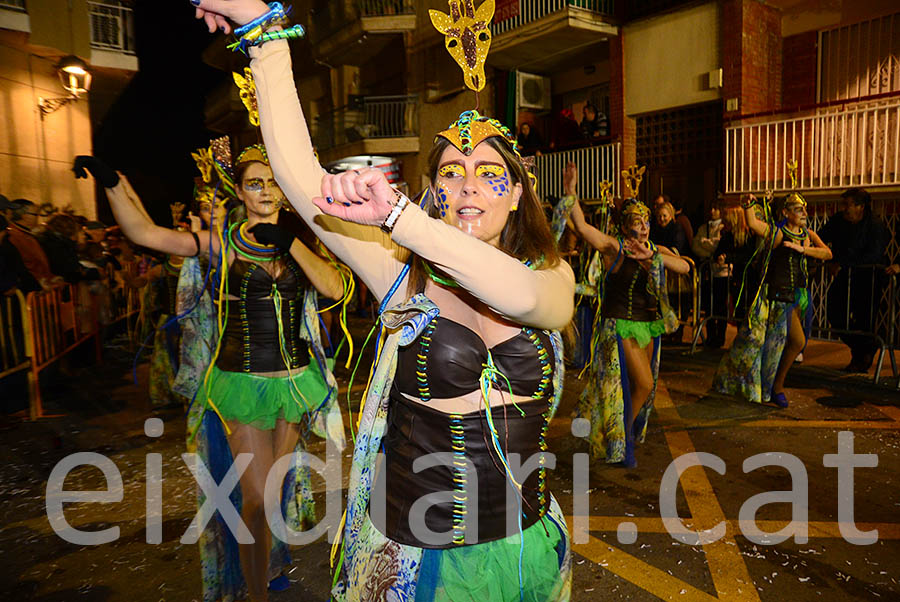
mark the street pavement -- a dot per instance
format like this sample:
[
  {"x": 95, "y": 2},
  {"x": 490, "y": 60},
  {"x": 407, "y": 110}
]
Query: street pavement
[{"x": 625, "y": 550}]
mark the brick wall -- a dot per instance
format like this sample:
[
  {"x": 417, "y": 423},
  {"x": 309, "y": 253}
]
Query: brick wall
[
  {"x": 751, "y": 55},
  {"x": 761, "y": 66},
  {"x": 620, "y": 124},
  {"x": 800, "y": 60}
]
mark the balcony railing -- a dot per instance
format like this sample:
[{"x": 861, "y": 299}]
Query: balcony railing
[
  {"x": 372, "y": 117},
  {"x": 17, "y": 5},
  {"x": 329, "y": 17},
  {"x": 595, "y": 163},
  {"x": 112, "y": 27},
  {"x": 836, "y": 146},
  {"x": 532, "y": 10}
]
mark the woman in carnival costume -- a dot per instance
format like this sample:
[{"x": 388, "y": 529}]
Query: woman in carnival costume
[
  {"x": 267, "y": 382},
  {"x": 778, "y": 321},
  {"x": 632, "y": 315},
  {"x": 160, "y": 294},
  {"x": 470, "y": 287}
]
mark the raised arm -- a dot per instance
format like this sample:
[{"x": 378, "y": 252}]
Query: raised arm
[
  {"x": 134, "y": 222},
  {"x": 606, "y": 244},
  {"x": 365, "y": 249},
  {"x": 754, "y": 222}
]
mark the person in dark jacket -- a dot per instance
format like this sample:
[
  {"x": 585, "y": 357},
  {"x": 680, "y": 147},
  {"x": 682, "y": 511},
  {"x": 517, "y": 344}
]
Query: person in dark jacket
[
  {"x": 666, "y": 231},
  {"x": 858, "y": 240},
  {"x": 60, "y": 242},
  {"x": 13, "y": 273}
]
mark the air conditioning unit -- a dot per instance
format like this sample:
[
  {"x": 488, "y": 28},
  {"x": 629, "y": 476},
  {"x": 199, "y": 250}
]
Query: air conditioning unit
[{"x": 532, "y": 91}]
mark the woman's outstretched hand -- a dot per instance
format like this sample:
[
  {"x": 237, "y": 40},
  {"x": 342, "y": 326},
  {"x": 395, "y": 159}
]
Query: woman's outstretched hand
[
  {"x": 102, "y": 172},
  {"x": 217, "y": 13},
  {"x": 360, "y": 196}
]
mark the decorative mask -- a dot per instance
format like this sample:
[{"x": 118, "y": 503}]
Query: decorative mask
[{"x": 467, "y": 36}]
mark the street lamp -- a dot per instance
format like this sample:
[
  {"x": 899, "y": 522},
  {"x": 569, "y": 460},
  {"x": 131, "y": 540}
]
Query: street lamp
[{"x": 75, "y": 79}]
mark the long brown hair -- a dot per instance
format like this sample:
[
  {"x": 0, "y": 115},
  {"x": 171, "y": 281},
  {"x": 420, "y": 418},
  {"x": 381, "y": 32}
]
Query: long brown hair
[
  {"x": 526, "y": 235},
  {"x": 734, "y": 217}
]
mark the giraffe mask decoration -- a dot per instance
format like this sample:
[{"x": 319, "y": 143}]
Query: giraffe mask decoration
[{"x": 467, "y": 36}]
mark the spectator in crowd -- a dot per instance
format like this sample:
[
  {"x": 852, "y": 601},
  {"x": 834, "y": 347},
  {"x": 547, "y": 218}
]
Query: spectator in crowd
[
  {"x": 25, "y": 220},
  {"x": 593, "y": 123},
  {"x": 529, "y": 141},
  {"x": 13, "y": 273},
  {"x": 858, "y": 240},
  {"x": 683, "y": 221},
  {"x": 60, "y": 241},
  {"x": 735, "y": 250},
  {"x": 666, "y": 231},
  {"x": 565, "y": 130},
  {"x": 714, "y": 300},
  {"x": 680, "y": 217}
]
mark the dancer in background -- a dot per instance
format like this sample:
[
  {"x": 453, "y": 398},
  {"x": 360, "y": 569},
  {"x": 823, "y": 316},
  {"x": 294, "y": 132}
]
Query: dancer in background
[
  {"x": 777, "y": 326},
  {"x": 633, "y": 313}
]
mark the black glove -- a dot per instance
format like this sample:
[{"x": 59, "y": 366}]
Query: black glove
[
  {"x": 102, "y": 172},
  {"x": 271, "y": 234}
]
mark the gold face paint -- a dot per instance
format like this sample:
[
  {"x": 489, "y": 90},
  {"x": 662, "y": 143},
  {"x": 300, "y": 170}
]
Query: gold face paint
[
  {"x": 490, "y": 171},
  {"x": 452, "y": 170}
]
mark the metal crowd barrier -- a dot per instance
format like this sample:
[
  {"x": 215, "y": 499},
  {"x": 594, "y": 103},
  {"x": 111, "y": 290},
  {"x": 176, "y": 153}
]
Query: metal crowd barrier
[
  {"x": 15, "y": 335},
  {"x": 684, "y": 294},
  {"x": 878, "y": 321},
  {"x": 58, "y": 324}
]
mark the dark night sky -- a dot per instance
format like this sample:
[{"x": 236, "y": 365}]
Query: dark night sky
[{"x": 150, "y": 131}]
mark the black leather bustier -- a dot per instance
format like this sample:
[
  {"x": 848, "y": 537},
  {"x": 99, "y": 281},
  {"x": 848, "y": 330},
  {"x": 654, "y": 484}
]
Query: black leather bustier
[
  {"x": 470, "y": 467},
  {"x": 252, "y": 342},
  {"x": 786, "y": 273},
  {"x": 447, "y": 359},
  {"x": 626, "y": 296}
]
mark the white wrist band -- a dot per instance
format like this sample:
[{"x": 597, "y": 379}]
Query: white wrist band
[{"x": 391, "y": 220}]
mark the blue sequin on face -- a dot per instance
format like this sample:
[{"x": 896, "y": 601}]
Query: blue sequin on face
[
  {"x": 443, "y": 205},
  {"x": 500, "y": 185}
]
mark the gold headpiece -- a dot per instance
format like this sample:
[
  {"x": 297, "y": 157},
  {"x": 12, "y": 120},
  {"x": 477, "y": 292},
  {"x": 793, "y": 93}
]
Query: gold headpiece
[
  {"x": 467, "y": 36},
  {"x": 216, "y": 158},
  {"x": 633, "y": 176},
  {"x": 254, "y": 152},
  {"x": 606, "y": 192},
  {"x": 794, "y": 197},
  {"x": 472, "y": 128},
  {"x": 247, "y": 90}
]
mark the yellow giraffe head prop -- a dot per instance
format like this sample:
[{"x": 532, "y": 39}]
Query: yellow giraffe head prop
[
  {"x": 467, "y": 36},
  {"x": 632, "y": 177}
]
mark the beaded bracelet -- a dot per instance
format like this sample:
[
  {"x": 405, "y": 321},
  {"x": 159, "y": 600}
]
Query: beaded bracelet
[
  {"x": 254, "y": 33},
  {"x": 275, "y": 16},
  {"x": 292, "y": 33}
]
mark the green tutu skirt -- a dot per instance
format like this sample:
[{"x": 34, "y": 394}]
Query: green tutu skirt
[
  {"x": 491, "y": 570},
  {"x": 642, "y": 332},
  {"x": 261, "y": 400}
]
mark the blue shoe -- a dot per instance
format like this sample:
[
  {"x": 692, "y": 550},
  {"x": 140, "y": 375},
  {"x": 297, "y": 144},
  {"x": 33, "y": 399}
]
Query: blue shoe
[
  {"x": 780, "y": 400},
  {"x": 279, "y": 584}
]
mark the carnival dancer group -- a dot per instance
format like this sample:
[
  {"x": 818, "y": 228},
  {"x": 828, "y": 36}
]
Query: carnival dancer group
[{"x": 473, "y": 294}]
